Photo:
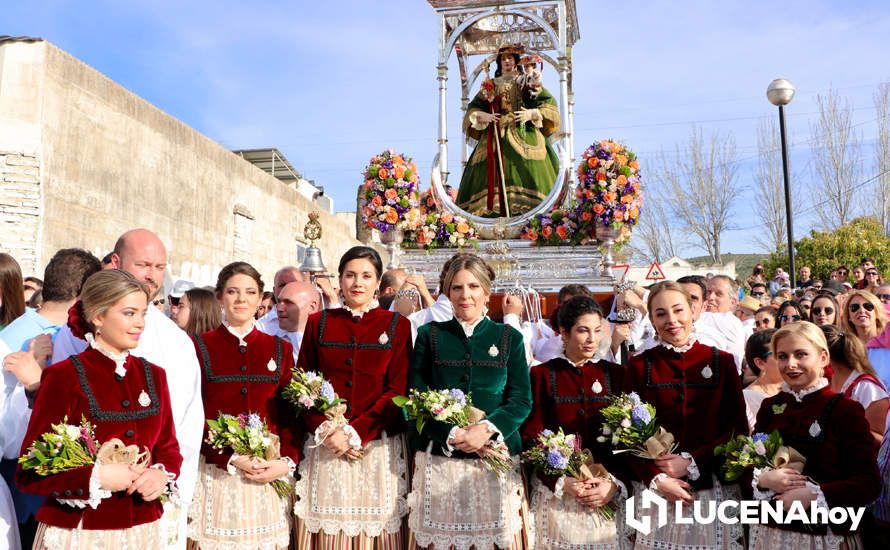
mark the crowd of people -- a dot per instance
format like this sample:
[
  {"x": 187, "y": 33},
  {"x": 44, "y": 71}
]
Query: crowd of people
[{"x": 101, "y": 340}]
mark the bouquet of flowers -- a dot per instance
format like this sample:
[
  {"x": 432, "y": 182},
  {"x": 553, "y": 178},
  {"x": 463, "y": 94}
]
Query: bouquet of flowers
[
  {"x": 390, "y": 198},
  {"x": 64, "y": 448},
  {"x": 455, "y": 408},
  {"x": 559, "y": 227},
  {"x": 247, "y": 435},
  {"x": 608, "y": 191},
  {"x": 629, "y": 425},
  {"x": 557, "y": 454},
  {"x": 757, "y": 451},
  {"x": 309, "y": 391},
  {"x": 444, "y": 229}
]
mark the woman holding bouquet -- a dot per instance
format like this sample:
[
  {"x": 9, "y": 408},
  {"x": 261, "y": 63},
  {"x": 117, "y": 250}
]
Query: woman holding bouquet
[
  {"x": 568, "y": 392},
  {"x": 353, "y": 478},
  {"x": 243, "y": 371},
  {"x": 829, "y": 430},
  {"x": 105, "y": 504},
  {"x": 697, "y": 393},
  {"x": 456, "y": 501}
]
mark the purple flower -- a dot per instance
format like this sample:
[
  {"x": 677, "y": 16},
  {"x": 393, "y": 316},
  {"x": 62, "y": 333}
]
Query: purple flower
[
  {"x": 557, "y": 461},
  {"x": 634, "y": 398},
  {"x": 457, "y": 394},
  {"x": 327, "y": 391},
  {"x": 759, "y": 436},
  {"x": 640, "y": 415},
  {"x": 546, "y": 433},
  {"x": 254, "y": 421}
]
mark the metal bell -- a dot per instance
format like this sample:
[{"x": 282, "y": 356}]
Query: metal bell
[{"x": 312, "y": 261}]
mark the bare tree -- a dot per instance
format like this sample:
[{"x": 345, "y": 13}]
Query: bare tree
[
  {"x": 882, "y": 152},
  {"x": 769, "y": 189},
  {"x": 836, "y": 159},
  {"x": 655, "y": 234},
  {"x": 700, "y": 185}
]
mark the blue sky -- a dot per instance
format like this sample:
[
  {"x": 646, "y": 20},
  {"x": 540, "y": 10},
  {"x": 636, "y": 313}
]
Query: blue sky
[{"x": 332, "y": 83}]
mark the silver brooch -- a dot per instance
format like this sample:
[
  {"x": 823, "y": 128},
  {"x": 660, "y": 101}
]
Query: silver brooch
[
  {"x": 493, "y": 351},
  {"x": 815, "y": 429},
  {"x": 383, "y": 339},
  {"x": 707, "y": 372},
  {"x": 144, "y": 399},
  {"x": 597, "y": 387},
  {"x": 271, "y": 366}
]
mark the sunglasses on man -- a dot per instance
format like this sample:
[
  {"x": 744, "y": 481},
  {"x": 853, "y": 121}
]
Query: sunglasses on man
[
  {"x": 867, "y": 305},
  {"x": 871, "y": 273}
]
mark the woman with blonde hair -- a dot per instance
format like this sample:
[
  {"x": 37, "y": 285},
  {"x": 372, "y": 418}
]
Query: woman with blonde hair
[
  {"x": 832, "y": 434},
  {"x": 854, "y": 377},
  {"x": 456, "y": 502},
  {"x": 697, "y": 393},
  {"x": 106, "y": 505},
  {"x": 864, "y": 315}
]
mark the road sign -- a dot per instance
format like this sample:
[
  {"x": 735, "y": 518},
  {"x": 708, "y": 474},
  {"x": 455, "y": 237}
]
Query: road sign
[{"x": 655, "y": 273}]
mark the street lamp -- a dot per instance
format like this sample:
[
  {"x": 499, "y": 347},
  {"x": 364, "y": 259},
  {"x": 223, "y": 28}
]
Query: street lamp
[{"x": 780, "y": 93}]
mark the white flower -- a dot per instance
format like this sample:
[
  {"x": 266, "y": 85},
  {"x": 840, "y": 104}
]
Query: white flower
[
  {"x": 606, "y": 430},
  {"x": 601, "y": 439},
  {"x": 625, "y": 422},
  {"x": 493, "y": 351},
  {"x": 72, "y": 431}
]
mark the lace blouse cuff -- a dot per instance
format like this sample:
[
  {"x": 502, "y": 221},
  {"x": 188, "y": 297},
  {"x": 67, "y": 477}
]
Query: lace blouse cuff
[
  {"x": 97, "y": 493},
  {"x": 492, "y": 429},
  {"x": 653, "y": 485},
  {"x": 821, "y": 503},
  {"x": 291, "y": 467},
  {"x": 171, "y": 491},
  {"x": 321, "y": 432},
  {"x": 231, "y": 468},
  {"x": 559, "y": 487},
  {"x": 761, "y": 494},
  {"x": 692, "y": 470},
  {"x": 449, "y": 448}
]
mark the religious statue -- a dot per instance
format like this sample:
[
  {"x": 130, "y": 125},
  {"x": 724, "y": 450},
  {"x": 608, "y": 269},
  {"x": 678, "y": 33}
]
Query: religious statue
[{"x": 512, "y": 167}]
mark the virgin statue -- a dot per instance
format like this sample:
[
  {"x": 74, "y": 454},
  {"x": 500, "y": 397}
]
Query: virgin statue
[{"x": 513, "y": 167}]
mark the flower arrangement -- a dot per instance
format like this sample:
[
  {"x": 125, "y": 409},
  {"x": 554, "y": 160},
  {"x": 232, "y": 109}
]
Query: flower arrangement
[
  {"x": 439, "y": 228},
  {"x": 757, "y": 451},
  {"x": 629, "y": 425},
  {"x": 390, "y": 198},
  {"x": 608, "y": 192},
  {"x": 64, "y": 448},
  {"x": 247, "y": 435},
  {"x": 309, "y": 391},
  {"x": 558, "y": 454},
  {"x": 559, "y": 227},
  {"x": 455, "y": 408}
]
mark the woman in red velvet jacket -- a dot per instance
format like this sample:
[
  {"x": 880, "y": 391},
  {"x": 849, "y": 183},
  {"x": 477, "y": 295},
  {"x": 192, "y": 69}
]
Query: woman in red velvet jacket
[
  {"x": 125, "y": 397},
  {"x": 697, "y": 394},
  {"x": 243, "y": 371},
  {"x": 829, "y": 430},
  {"x": 568, "y": 392},
  {"x": 353, "y": 478}
]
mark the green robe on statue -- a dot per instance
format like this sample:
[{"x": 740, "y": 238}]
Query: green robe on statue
[{"x": 530, "y": 164}]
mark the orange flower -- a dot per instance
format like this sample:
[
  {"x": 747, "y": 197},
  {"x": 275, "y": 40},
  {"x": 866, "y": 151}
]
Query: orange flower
[
  {"x": 421, "y": 237},
  {"x": 397, "y": 159},
  {"x": 609, "y": 196},
  {"x": 590, "y": 193},
  {"x": 463, "y": 227},
  {"x": 377, "y": 201},
  {"x": 600, "y": 176},
  {"x": 621, "y": 180},
  {"x": 371, "y": 224},
  {"x": 592, "y": 162},
  {"x": 391, "y": 194},
  {"x": 618, "y": 216},
  {"x": 561, "y": 231},
  {"x": 581, "y": 171},
  {"x": 634, "y": 165},
  {"x": 621, "y": 160},
  {"x": 392, "y": 216},
  {"x": 447, "y": 217},
  {"x": 634, "y": 212},
  {"x": 586, "y": 216},
  {"x": 546, "y": 231},
  {"x": 532, "y": 235},
  {"x": 598, "y": 208},
  {"x": 400, "y": 172},
  {"x": 383, "y": 173},
  {"x": 627, "y": 199},
  {"x": 413, "y": 167},
  {"x": 369, "y": 184}
]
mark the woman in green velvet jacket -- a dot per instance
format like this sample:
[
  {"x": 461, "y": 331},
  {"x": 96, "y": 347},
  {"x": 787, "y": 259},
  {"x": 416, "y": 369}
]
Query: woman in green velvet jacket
[{"x": 456, "y": 501}]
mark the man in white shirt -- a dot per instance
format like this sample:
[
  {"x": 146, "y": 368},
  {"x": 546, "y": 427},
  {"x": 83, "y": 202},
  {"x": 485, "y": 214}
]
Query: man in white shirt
[
  {"x": 296, "y": 302},
  {"x": 268, "y": 323},
  {"x": 142, "y": 254}
]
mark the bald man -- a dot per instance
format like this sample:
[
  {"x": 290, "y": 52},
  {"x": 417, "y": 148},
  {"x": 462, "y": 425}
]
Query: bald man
[
  {"x": 142, "y": 254},
  {"x": 296, "y": 302},
  {"x": 268, "y": 323}
]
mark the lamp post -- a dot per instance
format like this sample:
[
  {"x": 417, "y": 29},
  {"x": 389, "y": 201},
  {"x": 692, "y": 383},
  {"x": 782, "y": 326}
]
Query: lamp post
[{"x": 780, "y": 93}]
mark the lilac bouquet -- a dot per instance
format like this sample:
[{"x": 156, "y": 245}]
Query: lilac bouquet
[{"x": 629, "y": 425}]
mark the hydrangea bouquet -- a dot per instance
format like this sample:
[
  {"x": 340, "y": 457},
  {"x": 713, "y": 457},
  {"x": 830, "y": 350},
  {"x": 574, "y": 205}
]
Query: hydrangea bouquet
[
  {"x": 390, "y": 194},
  {"x": 247, "y": 435},
  {"x": 455, "y": 408},
  {"x": 629, "y": 425},
  {"x": 64, "y": 448},
  {"x": 309, "y": 391},
  {"x": 558, "y": 454},
  {"x": 760, "y": 450}
]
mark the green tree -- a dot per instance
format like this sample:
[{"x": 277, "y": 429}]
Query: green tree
[{"x": 823, "y": 251}]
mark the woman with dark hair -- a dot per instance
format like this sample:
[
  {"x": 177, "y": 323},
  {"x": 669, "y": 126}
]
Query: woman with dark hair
[
  {"x": 455, "y": 500},
  {"x": 243, "y": 371},
  {"x": 511, "y": 127},
  {"x": 353, "y": 478},
  {"x": 106, "y": 504},
  {"x": 790, "y": 312},
  {"x": 697, "y": 393},
  {"x": 12, "y": 297},
  {"x": 198, "y": 311},
  {"x": 825, "y": 310},
  {"x": 568, "y": 393},
  {"x": 760, "y": 359},
  {"x": 853, "y": 376}
]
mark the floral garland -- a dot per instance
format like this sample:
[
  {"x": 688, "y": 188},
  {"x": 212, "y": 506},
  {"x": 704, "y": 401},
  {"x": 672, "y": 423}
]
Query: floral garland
[
  {"x": 390, "y": 197},
  {"x": 608, "y": 192},
  {"x": 556, "y": 228}
]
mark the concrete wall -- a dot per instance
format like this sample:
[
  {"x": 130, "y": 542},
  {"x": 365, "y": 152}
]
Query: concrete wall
[{"x": 104, "y": 160}]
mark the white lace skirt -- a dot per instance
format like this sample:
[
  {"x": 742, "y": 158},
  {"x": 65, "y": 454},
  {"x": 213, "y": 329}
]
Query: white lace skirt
[
  {"x": 673, "y": 536},
  {"x": 148, "y": 536},
  {"x": 362, "y": 497},
  {"x": 770, "y": 538},
  {"x": 566, "y": 524},
  {"x": 459, "y": 503},
  {"x": 229, "y": 512}
]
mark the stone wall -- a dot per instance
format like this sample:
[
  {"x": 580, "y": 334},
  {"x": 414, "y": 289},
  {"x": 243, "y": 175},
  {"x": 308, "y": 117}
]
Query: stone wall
[{"x": 108, "y": 161}]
